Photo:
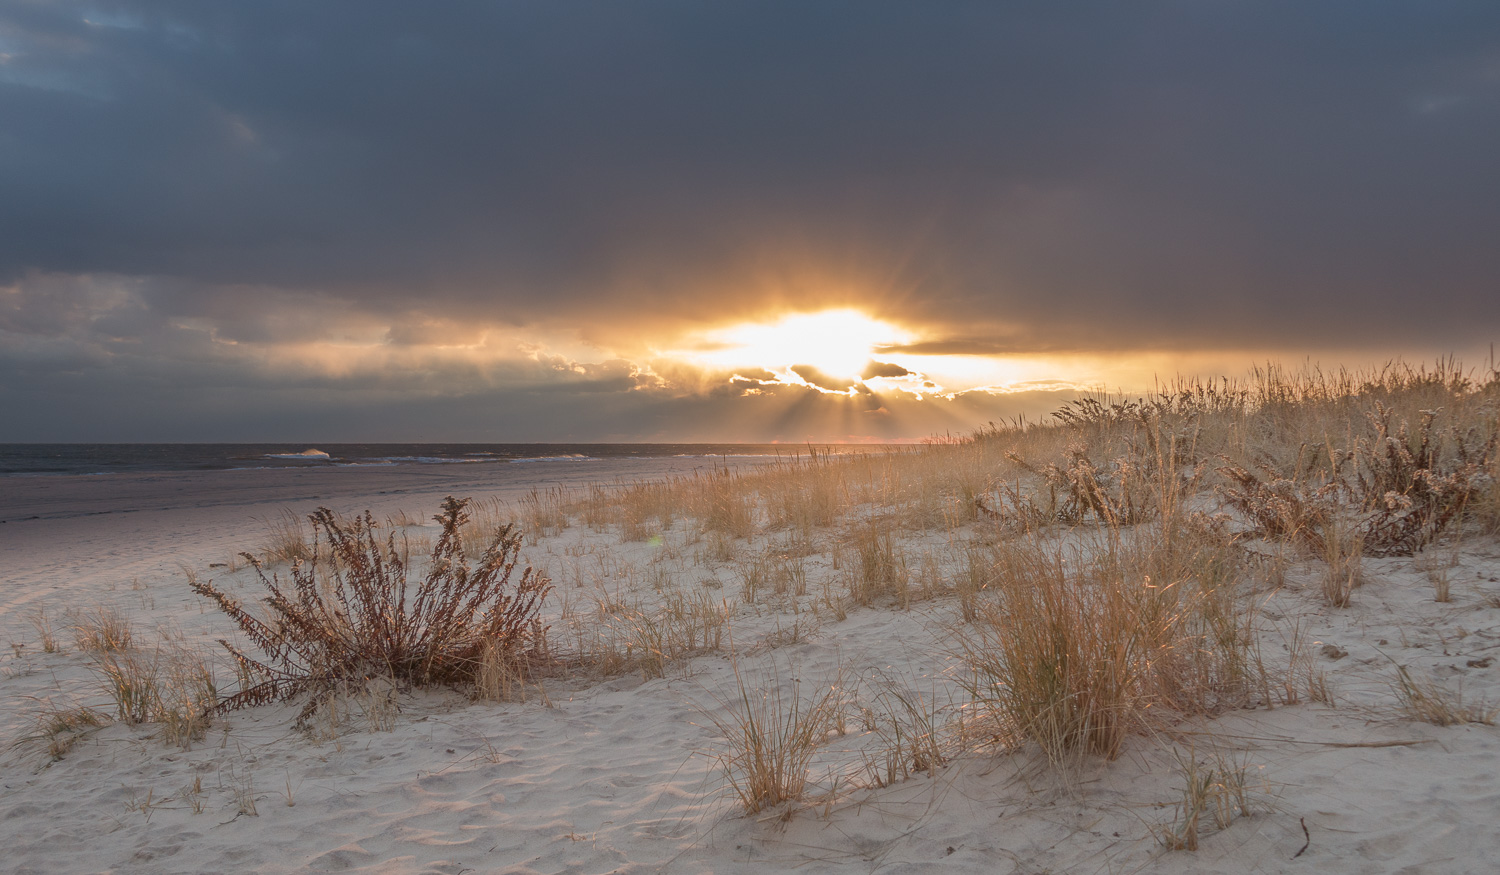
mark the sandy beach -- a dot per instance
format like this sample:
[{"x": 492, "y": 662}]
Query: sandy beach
[
  {"x": 854, "y": 438},
  {"x": 621, "y": 769}
]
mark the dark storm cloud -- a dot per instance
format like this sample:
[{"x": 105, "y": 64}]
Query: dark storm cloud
[
  {"x": 1009, "y": 177},
  {"x": 883, "y": 369},
  {"x": 817, "y": 378},
  {"x": 1167, "y": 162},
  {"x": 758, "y": 375}
]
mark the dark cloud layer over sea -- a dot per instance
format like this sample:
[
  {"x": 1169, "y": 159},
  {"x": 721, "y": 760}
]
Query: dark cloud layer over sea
[{"x": 202, "y": 203}]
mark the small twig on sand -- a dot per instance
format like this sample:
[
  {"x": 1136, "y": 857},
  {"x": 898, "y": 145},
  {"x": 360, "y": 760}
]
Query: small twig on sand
[{"x": 1307, "y": 835}]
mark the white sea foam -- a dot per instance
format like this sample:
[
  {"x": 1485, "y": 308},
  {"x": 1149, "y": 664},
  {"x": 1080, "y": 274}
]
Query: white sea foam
[{"x": 309, "y": 455}]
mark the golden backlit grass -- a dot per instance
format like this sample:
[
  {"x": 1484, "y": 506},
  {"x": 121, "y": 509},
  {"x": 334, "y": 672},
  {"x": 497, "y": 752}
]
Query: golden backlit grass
[
  {"x": 1074, "y": 646},
  {"x": 771, "y": 734}
]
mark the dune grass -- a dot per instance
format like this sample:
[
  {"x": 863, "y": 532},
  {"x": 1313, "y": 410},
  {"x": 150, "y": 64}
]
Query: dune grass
[
  {"x": 101, "y": 630},
  {"x": 770, "y": 737},
  {"x": 1216, "y": 790},
  {"x": 1431, "y": 702},
  {"x": 59, "y": 728}
]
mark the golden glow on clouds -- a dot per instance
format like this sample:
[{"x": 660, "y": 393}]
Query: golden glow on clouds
[
  {"x": 447, "y": 356},
  {"x": 837, "y": 342}
]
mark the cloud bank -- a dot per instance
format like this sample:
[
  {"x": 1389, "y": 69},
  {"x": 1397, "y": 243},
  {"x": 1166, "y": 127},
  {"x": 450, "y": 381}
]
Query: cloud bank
[{"x": 222, "y": 217}]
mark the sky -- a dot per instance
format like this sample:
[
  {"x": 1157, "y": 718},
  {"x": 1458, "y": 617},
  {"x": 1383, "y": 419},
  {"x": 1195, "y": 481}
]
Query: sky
[{"x": 673, "y": 221}]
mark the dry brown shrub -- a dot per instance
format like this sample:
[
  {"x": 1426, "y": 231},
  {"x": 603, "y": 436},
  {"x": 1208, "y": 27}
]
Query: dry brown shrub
[
  {"x": 1358, "y": 454},
  {"x": 354, "y": 616}
]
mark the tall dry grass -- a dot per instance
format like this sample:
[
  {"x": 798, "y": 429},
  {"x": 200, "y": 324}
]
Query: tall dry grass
[
  {"x": 57, "y": 729},
  {"x": 171, "y": 686},
  {"x": 102, "y": 630},
  {"x": 1404, "y": 452},
  {"x": 628, "y": 637},
  {"x": 286, "y": 539},
  {"x": 770, "y": 734},
  {"x": 1074, "y": 645},
  {"x": 1431, "y": 702}
]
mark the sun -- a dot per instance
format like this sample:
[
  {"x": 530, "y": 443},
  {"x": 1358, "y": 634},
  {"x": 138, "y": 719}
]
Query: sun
[{"x": 838, "y": 343}]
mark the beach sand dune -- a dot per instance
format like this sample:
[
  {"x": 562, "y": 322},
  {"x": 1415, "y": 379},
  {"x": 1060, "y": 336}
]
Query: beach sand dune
[{"x": 620, "y": 772}]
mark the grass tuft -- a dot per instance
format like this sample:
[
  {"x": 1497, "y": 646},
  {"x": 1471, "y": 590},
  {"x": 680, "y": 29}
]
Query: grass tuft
[
  {"x": 287, "y": 540},
  {"x": 171, "y": 686},
  {"x": 770, "y": 737},
  {"x": 44, "y": 631},
  {"x": 1431, "y": 702},
  {"x": 59, "y": 729},
  {"x": 102, "y": 630},
  {"x": 1074, "y": 648},
  {"x": 1216, "y": 791}
]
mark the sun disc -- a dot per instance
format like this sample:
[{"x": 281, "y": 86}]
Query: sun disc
[{"x": 839, "y": 343}]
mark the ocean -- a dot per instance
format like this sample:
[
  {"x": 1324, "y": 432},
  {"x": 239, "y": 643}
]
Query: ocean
[{"x": 65, "y": 459}]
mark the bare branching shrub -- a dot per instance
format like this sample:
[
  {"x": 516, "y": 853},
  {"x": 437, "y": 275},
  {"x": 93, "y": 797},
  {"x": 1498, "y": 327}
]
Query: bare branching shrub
[
  {"x": 1016, "y": 509},
  {"x": 1411, "y": 491},
  {"x": 1120, "y": 495},
  {"x": 353, "y": 615},
  {"x": 1404, "y": 485},
  {"x": 1151, "y": 451},
  {"x": 1279, "y": 508},
  {"x": 1485, "y": 503}
]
